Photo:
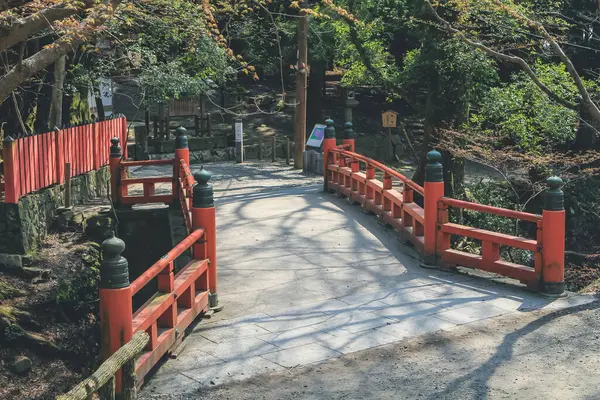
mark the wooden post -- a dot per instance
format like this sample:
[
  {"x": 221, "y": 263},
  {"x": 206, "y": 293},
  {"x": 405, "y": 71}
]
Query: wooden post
[
  {"x": 390, "y": 145},
  {"x": 301, "y": 83},
  {"x": 116, "y": 314},
  {"x": 208, "y": 125},
  {"x": 11, "y": 171},
  {"x": 204, "y": 217},
  {"x": 553, "y": 238},
  {"x": 147, "y": 120},
  {"x": 197, "y": 125},
  {"x": 115, "y": 173},
  {"x": 182, "y": 152},
  {"x": 434, "y": 191},
  {"x": 68, "y": 185},
  {"x": 328, "y": 144},
  {"x": 259, "y": 149},
  {"x": 349, "y": 136},
  {"x": 287, "y": 151},
  {"x": 167, "y": 128},
  {"x": 274, "y": 147}
]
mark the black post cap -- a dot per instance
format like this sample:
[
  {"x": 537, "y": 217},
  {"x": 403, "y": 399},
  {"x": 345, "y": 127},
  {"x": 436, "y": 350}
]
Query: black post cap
[
  {"x": 434, "y": 171},
  {"x": 203, "y": 191},
  {"x": 114, "y": 272},
  {"x": 554, "y": 199},
  {"x": 330, "y": 130},
  {"x": 181, "y": 140},
  {"x": 115, "y": 149},
  {"x": 349, "y": 130}
]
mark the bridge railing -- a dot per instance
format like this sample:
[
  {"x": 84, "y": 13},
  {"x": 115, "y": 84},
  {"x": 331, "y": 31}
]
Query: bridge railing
[
  {"x": 181, "y": 297},
  {"x": 428, "y": 228},
  {"x": 121, "y": 181}
]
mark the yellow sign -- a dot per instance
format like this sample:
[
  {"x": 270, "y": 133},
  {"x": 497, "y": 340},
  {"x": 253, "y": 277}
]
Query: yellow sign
[{"x": 389, "y": 119}]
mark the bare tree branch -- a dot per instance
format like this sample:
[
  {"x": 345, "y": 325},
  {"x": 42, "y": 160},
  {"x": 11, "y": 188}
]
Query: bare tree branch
[
  {"x": 22, "y": 28},
  {"x": 503, "y": 57},
  {"x": 586, "y": 98}
]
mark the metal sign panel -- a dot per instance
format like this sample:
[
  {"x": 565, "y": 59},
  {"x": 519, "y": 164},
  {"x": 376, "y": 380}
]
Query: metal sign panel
[{"x": 316, "y": 137}]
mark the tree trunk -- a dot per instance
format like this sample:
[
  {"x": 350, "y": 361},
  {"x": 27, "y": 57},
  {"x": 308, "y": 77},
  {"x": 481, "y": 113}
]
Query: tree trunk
[
  {"x": 44, "y": 103},
  {"x": 101, "y": 115},
  {"x": 56, "y": 109}
]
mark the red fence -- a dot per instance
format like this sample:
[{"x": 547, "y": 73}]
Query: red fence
[
  {"x": 34, "y": 162},
  {"x": 428, "y": 227}
]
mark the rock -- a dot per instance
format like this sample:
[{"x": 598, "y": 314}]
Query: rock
[
  {"x": 33, "y": 272},
  {"x": 8, "y": 291},
  {"x": 9, "y": 262},
  {"x": 99, "y": 226},
  {"x": 21, "y": 365}
]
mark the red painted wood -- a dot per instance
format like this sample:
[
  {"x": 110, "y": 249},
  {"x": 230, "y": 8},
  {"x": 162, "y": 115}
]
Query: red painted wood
[
  {"x": 60, "y": 155},
  {"x": 489, "y": 236},
  {"x": 491, "y": 210},
  {"x": 11, "y": 172}
]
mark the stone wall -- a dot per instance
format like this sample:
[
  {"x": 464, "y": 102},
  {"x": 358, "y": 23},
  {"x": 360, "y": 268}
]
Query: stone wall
[{"x": 24, "y": 226}]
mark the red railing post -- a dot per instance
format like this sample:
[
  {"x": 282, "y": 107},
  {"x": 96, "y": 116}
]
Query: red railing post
[
  {"x": 182, "y": 152},
  {"x": 204, "y": 217},
  {"x": 434, "y": 191},
  {"x": 553, "y": 238},
  {"x": 11, "y": 170},
  {"x": 115, "y": 173},
  {"x": 116, "y": 310},
  {"x": 349, "y": 136},
  {"x": 328, "y": 144}
]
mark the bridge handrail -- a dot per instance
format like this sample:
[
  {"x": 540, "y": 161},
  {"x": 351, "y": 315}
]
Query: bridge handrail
[
  {"x": 185, "y": 185},
  {"x": 429, "y": 227},
  {"x": 164, "y": 262},
  {"x": 103, "y": 379},
  {"x": 181, "y": 296},
  {"x": 387, "y": 170},
  {"x": 143, "y": 163},
  {"x": 503, "y": 212}
]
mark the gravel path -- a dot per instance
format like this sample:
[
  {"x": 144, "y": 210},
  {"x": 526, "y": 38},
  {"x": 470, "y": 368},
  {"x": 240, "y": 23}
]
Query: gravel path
[{"x": 541, "y": 355}]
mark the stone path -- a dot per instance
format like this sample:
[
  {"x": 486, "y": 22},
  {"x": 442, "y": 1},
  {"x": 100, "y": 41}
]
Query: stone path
[{"x": 305, "y": 277}]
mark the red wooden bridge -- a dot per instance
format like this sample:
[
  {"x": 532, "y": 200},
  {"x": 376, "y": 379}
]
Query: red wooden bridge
[{"x": 419, "y": 214}]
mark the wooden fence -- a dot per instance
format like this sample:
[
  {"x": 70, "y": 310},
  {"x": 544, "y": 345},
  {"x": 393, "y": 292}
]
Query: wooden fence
[{"x": 37, "y": 161}]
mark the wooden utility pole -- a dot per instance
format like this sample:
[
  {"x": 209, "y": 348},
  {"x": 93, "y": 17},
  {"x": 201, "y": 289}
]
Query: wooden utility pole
[{"x": 301, "y": 83}]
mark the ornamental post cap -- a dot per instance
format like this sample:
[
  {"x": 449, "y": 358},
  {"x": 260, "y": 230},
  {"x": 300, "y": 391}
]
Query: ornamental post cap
[
  {"x": 202, "y": 176},
  {"x": 554, "y": 182},
  {"x": 434, "y": 156}
]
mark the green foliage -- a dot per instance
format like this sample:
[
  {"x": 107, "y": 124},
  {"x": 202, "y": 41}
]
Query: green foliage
[
  {"x": 463, "y": 76},
  {"x": 169, "y": 81},
  {"x": 78, "y": 294},
  {"x": 520, "y": 112}
]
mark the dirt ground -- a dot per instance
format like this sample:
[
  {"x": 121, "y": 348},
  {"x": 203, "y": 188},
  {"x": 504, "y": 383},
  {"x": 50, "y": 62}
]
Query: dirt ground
[
  {"x": 68, "y": 347},
  {"x": 537, "y": 356}
]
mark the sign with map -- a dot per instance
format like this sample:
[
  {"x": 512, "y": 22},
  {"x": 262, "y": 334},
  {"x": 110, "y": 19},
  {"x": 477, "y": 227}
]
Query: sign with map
[{"x": 317, "y": 136}]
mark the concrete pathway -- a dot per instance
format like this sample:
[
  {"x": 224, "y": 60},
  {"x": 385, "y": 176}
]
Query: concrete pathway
[{"x": 305, "y": 277}]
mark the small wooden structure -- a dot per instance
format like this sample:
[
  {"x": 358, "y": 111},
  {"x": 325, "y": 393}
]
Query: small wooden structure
[{"x": 179, "y": 109}]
